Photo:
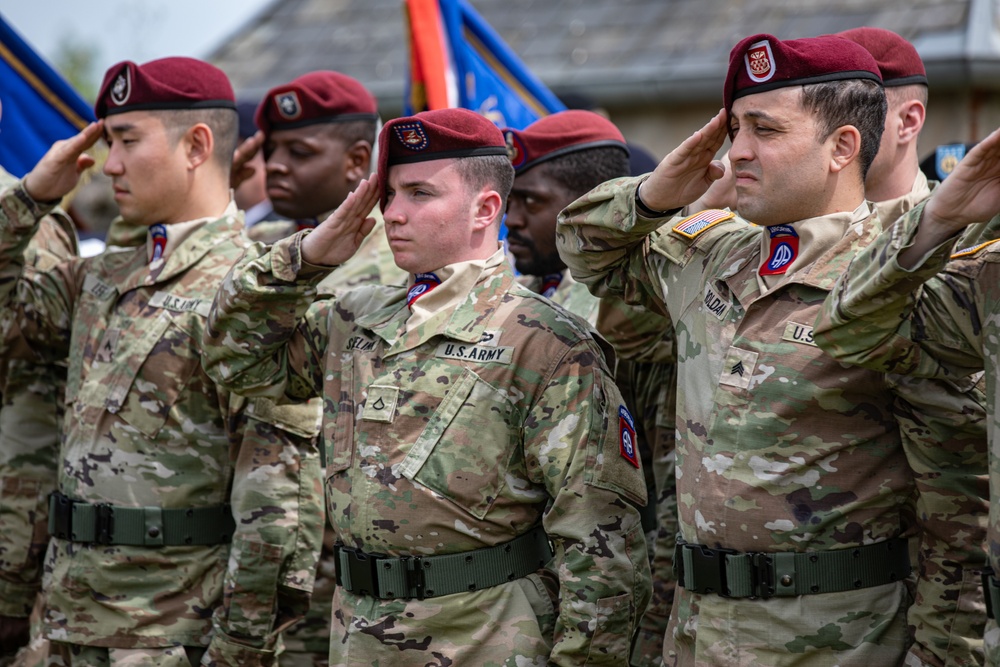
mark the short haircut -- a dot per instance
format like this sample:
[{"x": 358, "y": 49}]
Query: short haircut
[
  {"x": 899, "y": 94},
  {"x": 857, "y": 102},
  {"x": 493, "y": 171},
  {"x": 581, "y": 171},
  {"x": 224, "y": 124},
  {"x": 352, "y": 131}
]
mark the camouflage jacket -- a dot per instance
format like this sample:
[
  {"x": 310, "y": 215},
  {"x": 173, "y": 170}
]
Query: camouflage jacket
[
  {"x": 30, "y": 422},
  {"x": 460, "y": 434},
  {"x": 779, "y": 448},
  {"x": 571, "y": 295},
  {"x": 647, "y": 378},
  {"x": 145, "y": 427},
  {"x": 372, "y": 264},
  {"x": 935, "y": 321}
]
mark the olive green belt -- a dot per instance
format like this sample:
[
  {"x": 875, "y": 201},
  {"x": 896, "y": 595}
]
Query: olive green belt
[
  {"x": 101, "y": 523},
  {"x": 419, "y": 577},
  {"x": 729, "y": 573}
]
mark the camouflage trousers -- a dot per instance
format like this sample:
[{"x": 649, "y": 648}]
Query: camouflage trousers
[
  {"x": 45, "y": 653},
  {"x": 858, "y": 627}
]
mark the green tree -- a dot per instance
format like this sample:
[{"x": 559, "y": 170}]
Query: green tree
[{"x": 76, "y": 60}]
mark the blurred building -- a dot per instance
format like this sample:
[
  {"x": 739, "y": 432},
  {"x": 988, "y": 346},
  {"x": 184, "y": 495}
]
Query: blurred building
[{"x": 657, "y": 66}]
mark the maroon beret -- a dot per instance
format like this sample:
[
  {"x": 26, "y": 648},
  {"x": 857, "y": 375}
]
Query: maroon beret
[
  {"x": 763, "y": 62},
  {"x": 435, "y": 135},
  {"x": 897, "y": 59},
  {"x": 164, "y": 84},
  {"x": 316, "y": 97},
  {"x": 559, "y": 134}
]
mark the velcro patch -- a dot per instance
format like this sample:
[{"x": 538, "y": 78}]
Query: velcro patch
[
  {"x": 359, "y": 343},
  {"x": 380, "y": 405},
  {"x": 626, "y": 431},
  {"x": 96, "y": 287},
  {"x": 695, "y": 224},
  {"x": 490, "y": 338},
  {"x": 965, "y": 252},
  {"x": 799, "y": 333},
  {"x": 738, "y": 368},
  {"x": 109, "y": 343},
  {"x": 715, "y": 304},
  {"x": 478, "y": 353},
  {"x": 180, "y": 304}
]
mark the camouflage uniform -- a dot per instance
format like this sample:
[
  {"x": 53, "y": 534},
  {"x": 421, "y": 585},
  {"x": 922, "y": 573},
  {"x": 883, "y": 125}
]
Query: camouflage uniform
[
  {"x": 647, "y": 378},
  {"x": 30, "y": 423},
  {"x": 307, "y": 643},
  {"x": 776, "y": 455},
  {"x": 431, "y": 448},
  {"x": 936, "y": 321},
  {"x": 942, "y": 424},
  {"x": 571, "y": 295},
  {"x": 146, "y": 428}
]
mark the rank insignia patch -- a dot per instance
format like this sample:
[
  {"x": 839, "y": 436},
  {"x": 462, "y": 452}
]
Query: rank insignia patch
[
  {"x": 695, "y": 224},
  {"x": 411, "y": 135},
  {"x": 626, "y": 430}
]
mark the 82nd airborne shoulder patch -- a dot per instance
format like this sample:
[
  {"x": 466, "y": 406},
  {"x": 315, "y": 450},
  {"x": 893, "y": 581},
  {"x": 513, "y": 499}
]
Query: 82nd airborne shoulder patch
[{"x": 626, "y": 432}]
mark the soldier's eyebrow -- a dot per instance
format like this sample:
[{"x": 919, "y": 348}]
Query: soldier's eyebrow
[
  {"x": 760, "y": 115},
  {"x": 409, "y": 185},
  {"x": 119, "y": 128}
]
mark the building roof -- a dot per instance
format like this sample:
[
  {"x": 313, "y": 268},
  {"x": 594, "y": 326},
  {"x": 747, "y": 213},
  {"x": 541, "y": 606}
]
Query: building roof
[{"x": 617, "y": 51}]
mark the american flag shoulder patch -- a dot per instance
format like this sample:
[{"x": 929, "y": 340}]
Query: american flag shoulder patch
[
  {"x": 972, "y": 250},
  {"x": 695, "y": 224}
]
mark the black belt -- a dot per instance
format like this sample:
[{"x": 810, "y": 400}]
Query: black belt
[
  {"x": 991, "y": 591},
  {"x": 100, "y": 523},
  {"x": 729, "y": 573},
  {"x": 419, "y": 577}
]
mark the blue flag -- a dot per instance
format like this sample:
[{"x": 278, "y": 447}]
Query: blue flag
[
  {"x": 37, "y": 106},
  {"x": 458, "y": 60}
]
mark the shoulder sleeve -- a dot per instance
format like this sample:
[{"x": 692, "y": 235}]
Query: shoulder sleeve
[
  {"x": 575, "y": 438},
  {"x": 266, "y": 335},
  {"x": 869, "y": 318}
]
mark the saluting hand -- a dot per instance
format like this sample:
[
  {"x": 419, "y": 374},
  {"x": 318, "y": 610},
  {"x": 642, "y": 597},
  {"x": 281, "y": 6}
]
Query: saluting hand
[
  {"x": 336, "y": 239},
  {"x": 59, "y": 169},
  {"x": 240, "y": 170},
  {"x": 688, "y": 171},
  {"x": 971, "y": 193}
]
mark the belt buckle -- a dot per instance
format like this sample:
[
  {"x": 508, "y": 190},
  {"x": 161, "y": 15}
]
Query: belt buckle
[
  {"x": 362, "y": 567},
  {"x": 413, "y": 566},
  {"x": 761, "y": 575},
  {"x": 709, "y": 569},
  {"x": 62, "y": 508},
  {"x": 104, "y": 523}
]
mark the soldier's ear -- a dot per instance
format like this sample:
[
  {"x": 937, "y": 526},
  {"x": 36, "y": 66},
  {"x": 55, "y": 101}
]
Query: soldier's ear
[
  {"x": 845, "y": 147},
  {"x": 357, "y": 161},
  {"x": 198, "y": 144},
  {"x": 487, "y": 207}
]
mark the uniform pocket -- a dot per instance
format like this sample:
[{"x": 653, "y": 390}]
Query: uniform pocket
[
  {"x": 151, "y": 373},
  {"x": 251, "y": 588},
  {"x": 464, "y": 451},
  {"x": 337, "y": 448}
]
